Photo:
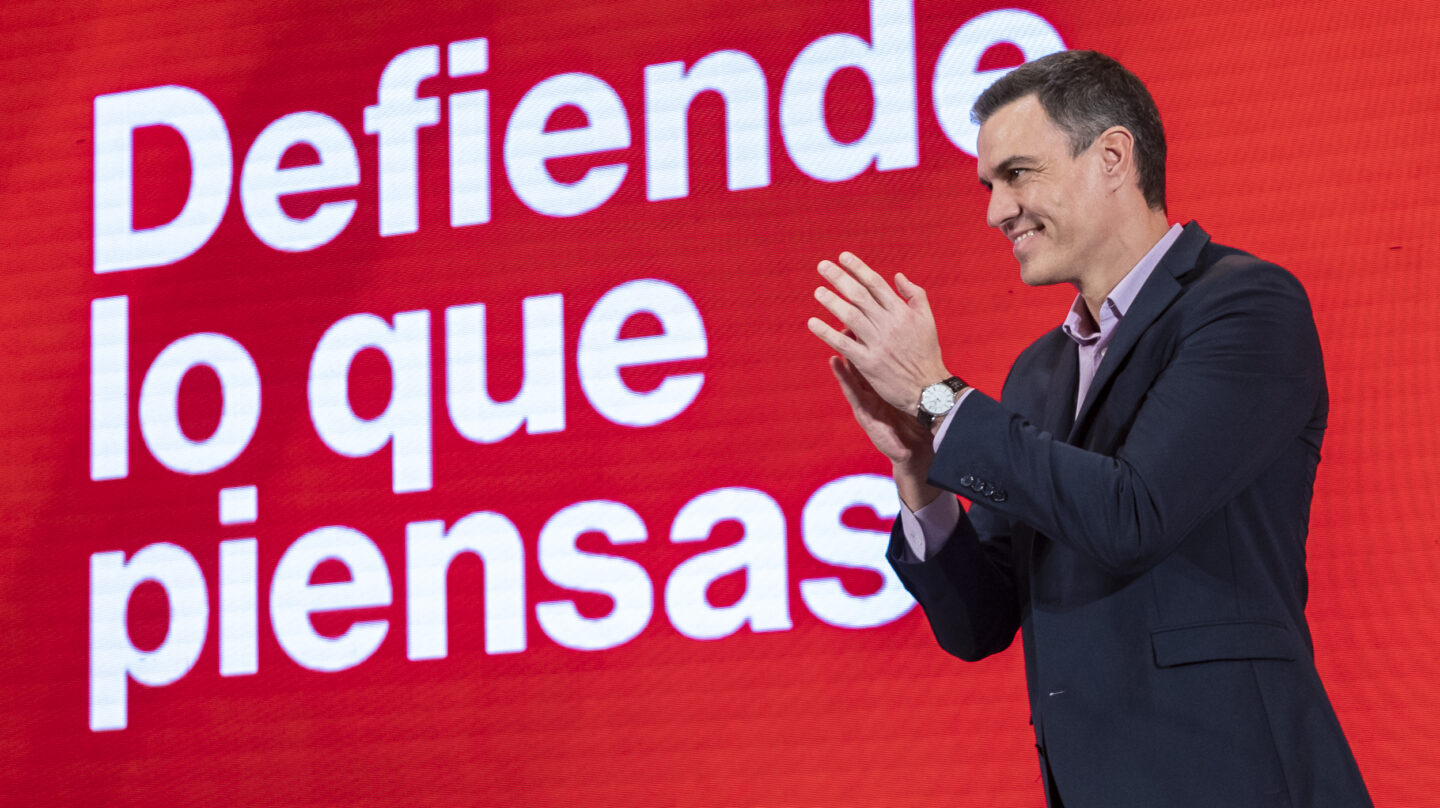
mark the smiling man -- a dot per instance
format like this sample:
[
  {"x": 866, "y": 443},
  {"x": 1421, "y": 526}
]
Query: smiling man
[{"x": 1141, "y": 489}]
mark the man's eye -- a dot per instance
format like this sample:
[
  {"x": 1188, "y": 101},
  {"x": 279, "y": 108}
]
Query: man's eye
[{"x": 1016, "y": 172}]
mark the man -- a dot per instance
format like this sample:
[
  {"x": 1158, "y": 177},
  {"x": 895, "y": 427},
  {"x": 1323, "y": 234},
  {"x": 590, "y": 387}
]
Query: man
[{"x": 1142, "y": 488}]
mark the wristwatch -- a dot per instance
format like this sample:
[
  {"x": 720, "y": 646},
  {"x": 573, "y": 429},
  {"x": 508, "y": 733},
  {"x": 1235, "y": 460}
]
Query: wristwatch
[{"x": 938, "y": 399}]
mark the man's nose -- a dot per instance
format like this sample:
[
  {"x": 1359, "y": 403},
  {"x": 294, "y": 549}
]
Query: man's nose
[{"x": 1003, "y": 207}]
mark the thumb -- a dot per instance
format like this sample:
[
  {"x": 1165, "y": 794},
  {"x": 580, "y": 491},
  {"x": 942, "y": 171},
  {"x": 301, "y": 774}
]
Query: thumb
[{"x": 908, "y": 289}]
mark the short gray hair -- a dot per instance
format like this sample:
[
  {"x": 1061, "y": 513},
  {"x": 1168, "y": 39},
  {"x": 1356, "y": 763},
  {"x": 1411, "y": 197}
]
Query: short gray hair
[{"x": 1085, "y": 93}]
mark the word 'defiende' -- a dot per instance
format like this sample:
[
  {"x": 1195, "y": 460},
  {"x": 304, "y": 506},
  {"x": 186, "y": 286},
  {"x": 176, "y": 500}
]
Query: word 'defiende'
[{"x": 890, "y": 141}]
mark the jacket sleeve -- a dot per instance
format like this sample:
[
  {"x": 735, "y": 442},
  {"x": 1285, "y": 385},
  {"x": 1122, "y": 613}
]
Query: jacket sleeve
[
  {"x": 967, "y": 589},
  {"x": 1242, "y": 381}
]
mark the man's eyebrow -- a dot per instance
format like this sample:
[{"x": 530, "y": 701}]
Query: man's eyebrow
[{"x": 1014, "y": 161}]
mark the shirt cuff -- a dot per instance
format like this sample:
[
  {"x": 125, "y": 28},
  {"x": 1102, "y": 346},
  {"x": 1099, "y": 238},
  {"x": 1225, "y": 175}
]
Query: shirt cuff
[
  {"x": 945, "y": 424},
  {"x": 927, "y": 529}
]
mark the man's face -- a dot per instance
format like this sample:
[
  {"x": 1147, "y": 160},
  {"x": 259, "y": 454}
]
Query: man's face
[{"x": 1051, "y": 206}]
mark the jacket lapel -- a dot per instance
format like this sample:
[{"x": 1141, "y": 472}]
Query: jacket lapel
[
  {"x": 1060, "y": 403},
  {"x": 1155, "y": 296}
]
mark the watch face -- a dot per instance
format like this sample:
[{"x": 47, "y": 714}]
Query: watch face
[{"x": 937, "y": 399}]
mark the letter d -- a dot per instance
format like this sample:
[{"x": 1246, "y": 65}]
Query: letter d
[
  {"x": 118, "y": 245},
  {"x": 113, "y": 657},
  {"x": 891, "y": 141}
]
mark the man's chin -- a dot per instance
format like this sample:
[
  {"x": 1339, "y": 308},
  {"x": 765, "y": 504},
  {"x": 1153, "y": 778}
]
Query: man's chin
[{"x": 1033, "y": 273}]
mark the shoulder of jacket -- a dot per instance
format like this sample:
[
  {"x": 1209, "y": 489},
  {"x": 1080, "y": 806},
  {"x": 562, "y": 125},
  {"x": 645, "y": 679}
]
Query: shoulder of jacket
[
  {"x": 1219, "y": 264},
  {"x": 1227, "y": 282}
]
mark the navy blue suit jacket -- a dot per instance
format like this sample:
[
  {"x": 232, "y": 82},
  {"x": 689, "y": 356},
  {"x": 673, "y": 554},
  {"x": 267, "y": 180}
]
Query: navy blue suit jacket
[{"x": 1152, "y": 551}]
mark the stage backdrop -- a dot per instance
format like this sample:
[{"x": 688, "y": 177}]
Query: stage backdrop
[{"x": 411, "y": 403}]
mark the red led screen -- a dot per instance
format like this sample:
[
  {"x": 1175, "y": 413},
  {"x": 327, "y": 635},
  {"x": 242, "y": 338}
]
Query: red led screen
[{"x": 412, "y": 404}]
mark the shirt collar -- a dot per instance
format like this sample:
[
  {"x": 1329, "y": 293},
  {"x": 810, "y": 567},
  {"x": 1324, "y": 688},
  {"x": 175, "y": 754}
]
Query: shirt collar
[{"x": 1082, "y": 328}]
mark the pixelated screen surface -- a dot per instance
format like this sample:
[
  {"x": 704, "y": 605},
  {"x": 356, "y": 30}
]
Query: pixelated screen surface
[{"x": 413, "y": 404}]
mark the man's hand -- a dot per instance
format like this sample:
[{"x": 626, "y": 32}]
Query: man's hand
[
  {"x": 897, "y": 435},
  {"x": 890, "y": 338}
]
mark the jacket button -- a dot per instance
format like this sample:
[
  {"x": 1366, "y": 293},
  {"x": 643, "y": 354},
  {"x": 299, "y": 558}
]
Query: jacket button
[
  {"x": 999, "y": 496},
  {"x": 967, "y": 481}
]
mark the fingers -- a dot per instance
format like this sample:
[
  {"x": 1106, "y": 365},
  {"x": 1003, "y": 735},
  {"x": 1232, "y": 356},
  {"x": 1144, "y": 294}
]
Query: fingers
[
  {"x": 843, "y": 345},
  {"x": 909, "y": 290},
  {"x": 843, "y": 374},
  {"x": 848, "y": 286},
  {"x": 879, "y": 290},
  {"x": 863, "y": 401},
  {"x": 867, "y": 406},
  {"x": 849, "y": 377},
  {"x": 854, "y": 320}
]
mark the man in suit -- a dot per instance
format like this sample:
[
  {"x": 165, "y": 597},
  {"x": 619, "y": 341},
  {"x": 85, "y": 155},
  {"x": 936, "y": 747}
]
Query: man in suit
[{"x": 1141, "y": 490}]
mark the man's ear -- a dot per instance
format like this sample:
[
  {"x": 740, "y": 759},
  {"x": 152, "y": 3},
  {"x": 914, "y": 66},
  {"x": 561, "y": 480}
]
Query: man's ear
[{"x": 1116, "y": 147}]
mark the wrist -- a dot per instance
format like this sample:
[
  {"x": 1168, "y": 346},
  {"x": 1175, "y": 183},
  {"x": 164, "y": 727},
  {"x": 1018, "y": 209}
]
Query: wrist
[
  {"x": 913, "y": 486},
  {"x": 937, "y": 400},
  {"x": 937, "y": 423},
  {"x": 915, "y": 467}
]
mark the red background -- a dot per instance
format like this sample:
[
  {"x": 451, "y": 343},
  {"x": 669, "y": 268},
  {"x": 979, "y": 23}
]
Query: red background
[{"x": 1301, "y": 131}]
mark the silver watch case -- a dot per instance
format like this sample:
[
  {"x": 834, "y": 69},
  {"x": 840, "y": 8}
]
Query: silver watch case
[{"x": 938, "y": 399}]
